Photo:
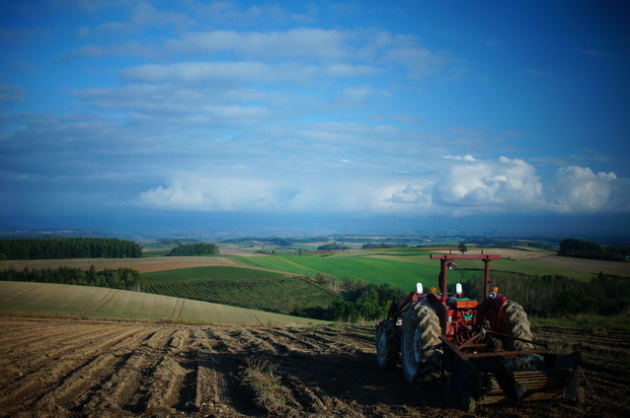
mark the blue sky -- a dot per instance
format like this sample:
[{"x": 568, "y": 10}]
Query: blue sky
[{"x": 218, "y": 115}]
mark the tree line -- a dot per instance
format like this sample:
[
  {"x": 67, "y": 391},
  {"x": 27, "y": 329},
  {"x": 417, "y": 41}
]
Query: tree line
[
  {"x": 360, "y": 300},
  {"x": 572, "y": 247},
  {"x": 557, "y": 295},
  {"x": 333, "y": 246},
  {"x": 543, "y": 296},
  {"x": 122, "y": 278},
  {"x": 194, "y": 249},
  {"x": 56, "y": 248},
  {"x": 373, "y": 245}
]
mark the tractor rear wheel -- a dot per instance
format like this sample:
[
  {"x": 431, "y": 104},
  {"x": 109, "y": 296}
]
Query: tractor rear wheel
[
  {"x": 387, "y": 344},
  {"x": 421, "y": 354},
  {"x": 514, "y": 322}
]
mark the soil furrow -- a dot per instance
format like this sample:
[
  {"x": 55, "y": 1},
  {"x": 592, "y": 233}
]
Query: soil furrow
[
  {"x": 73, "y": 389},
  {"x": 119, "y": 388},
  {"x": 32, "y": 356},
  {"x": 164, "y": 387},
  {"x": 33, "y": 386},
  {"x": 87, "y": 369},
  {"x": 252, "y": 343},
  {"x": 276, "y": 346},
  {"x": 220, "y": 341},
  {"x": 36, "y": 337},
  {"x": 296, "y": 342}
]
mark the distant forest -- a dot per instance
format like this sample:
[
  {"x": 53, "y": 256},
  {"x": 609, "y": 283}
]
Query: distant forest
[
  {"x": 572, "y": 247},
  {"x": 332, "y": 246},
  {"x": 56, "y": 248},
  {"x": 195, "y": 249},
  {"x": 122, "y": 278}
]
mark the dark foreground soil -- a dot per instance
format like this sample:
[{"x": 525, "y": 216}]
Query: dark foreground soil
[{"x": 60, "y": 368}]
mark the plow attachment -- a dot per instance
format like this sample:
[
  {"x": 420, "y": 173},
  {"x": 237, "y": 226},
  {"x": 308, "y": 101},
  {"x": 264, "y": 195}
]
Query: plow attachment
[{"x": 479, "y": 378}]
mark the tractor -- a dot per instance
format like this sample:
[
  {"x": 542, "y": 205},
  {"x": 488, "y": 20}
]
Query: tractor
[{"x": 483, "y": 351}]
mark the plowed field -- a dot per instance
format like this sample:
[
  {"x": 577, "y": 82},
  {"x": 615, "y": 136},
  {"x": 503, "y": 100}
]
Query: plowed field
[{"x": 100, "y": 369}]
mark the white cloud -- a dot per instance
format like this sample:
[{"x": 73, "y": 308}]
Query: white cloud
[
  {"x": 418, "y": 60},
  {"x": 354, "y": 95},
  {"x": 348, "y": 70},
  {"x": 410, "y": 195},
  {"x": 196, "y": 192},
  {"x": 326, "y": 44},
  {"x": 221, "y": 71},
  {"x": 468, "y": 186},
  {"x": 251, "y": 190},
  {"x": 11, "y": 94},
  {"x": 459, "y": 157},
  {"x": 504, "y": 183},
  {"x": 579, "y": 189},
  {"x": 131, "y": 47}
]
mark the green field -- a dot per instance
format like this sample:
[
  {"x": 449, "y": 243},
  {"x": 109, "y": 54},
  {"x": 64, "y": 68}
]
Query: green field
[
  {"x": 211, "y": 273},
  {"x": 57, "y": 300},
  {"x": 401, "y": 271},
  {"x": 399, "y": 268}
]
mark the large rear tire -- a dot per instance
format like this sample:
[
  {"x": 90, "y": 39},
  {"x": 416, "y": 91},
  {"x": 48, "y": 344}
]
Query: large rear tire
[
  {"x": 514, "y": 322},
  {"x": 420, "y": 344},
  {"x": 387, "y": 344}
]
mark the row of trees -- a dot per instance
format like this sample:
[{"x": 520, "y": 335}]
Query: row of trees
[
  {"x": 572, "y": 247},
  {"x": 122, "y": 278},
  {"x": 369, "y": 302},
  {"x": 55, "y": 248},
  {"x": 544, "y": 296},
  {"x": 195, "y": 249},
  {"x": 372, "y": 245},
  {"x": 333, "y": 246},
  {"x": 556, "y": 295}
]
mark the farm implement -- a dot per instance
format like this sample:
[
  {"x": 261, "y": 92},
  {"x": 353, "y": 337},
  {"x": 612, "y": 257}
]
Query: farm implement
[{"x": 484, "y": 351}]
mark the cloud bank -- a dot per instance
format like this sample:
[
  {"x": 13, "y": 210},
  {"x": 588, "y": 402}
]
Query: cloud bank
[{"x": 468, "y": 186}]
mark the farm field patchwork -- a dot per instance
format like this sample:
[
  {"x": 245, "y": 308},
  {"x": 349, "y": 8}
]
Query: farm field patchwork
[{"x": 385, "y": 266}]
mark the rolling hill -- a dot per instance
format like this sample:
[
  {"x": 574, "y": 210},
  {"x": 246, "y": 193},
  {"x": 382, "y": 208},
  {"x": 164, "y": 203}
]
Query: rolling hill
[{"x": 45, "y": 299}]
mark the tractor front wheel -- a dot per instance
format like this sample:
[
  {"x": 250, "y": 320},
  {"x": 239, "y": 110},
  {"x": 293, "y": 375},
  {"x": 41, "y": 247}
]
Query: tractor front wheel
[
  {"x": 420, "y": 351},
  {"x": 387, "y": 344},
  {"x": 514, "y": 322}
]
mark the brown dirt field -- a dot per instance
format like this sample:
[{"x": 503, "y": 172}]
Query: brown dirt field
[
  {"x": 513, "y": 253},
  {"x": 586, "y": 265},
  {"x": 143, "y": 265},
  {"x": 227, "y": 249},
  {"x": 60, "y": 368}
]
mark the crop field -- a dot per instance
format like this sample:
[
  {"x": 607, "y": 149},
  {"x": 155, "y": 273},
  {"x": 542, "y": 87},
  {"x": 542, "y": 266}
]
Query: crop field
[
  {"x": 19, "y": 298},
  {"x": 211, "y": 273},
  {"x": 143, "y": 265},
  {"x": 587, "y": 266},
  {"x": 62, "y": 368},
  {"x": 404, "y": 269},
  {"x": 276, "y": 262},
  {"x": 278, "y": 295},
  {"x": 404, "y": 273}
]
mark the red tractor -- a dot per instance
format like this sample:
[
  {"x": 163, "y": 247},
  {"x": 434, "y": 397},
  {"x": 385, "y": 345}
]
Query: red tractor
[{"x": 484, "y": 349}]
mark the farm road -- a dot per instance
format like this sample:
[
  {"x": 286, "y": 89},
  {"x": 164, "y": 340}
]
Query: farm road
[{"x": 105, "y": 369}]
